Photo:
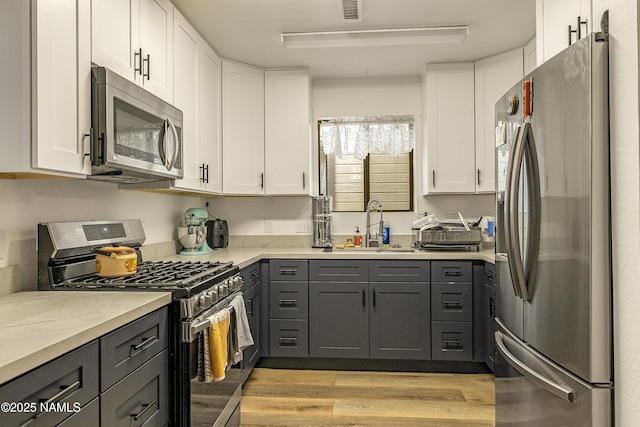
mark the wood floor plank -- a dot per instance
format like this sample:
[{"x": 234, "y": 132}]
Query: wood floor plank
[{"x": 282, "y": 397}]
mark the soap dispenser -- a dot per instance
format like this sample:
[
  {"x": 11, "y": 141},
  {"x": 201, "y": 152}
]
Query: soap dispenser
[{"x": 357, "y": 238}]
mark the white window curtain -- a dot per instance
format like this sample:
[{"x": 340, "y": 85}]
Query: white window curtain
[{"x": 359, "y": 136}]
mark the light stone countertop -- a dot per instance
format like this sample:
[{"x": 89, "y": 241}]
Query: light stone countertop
[
  {"x": 244, "y": 256},
  {"x": 37, "y": 327}
]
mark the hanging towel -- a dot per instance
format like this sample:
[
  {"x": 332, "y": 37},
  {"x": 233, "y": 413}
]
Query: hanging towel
[
  {"x": 218, "y": 334},
  {"x": 205, "y": 369},
  {"x": 243, "y": 331}
]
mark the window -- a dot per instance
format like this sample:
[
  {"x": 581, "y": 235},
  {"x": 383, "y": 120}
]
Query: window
[{"x": 367, "y": 158}]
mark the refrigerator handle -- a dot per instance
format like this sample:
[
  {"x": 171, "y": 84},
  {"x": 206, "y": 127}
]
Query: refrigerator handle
[
  {"x": 506, "y": 222},
  {"x": 516, "y": 266},
  {"x": 559, "y": 390},
  {"x": 534, "y": 225}
]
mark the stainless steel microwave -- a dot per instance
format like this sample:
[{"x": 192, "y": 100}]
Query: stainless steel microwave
[{"x": 136, "y": 137}]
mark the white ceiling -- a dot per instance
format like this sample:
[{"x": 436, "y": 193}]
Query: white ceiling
[{"x": 248, "y": 31}]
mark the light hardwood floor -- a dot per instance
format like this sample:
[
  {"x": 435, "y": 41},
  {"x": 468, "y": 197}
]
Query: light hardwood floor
[{"x": 283, "y": 397}]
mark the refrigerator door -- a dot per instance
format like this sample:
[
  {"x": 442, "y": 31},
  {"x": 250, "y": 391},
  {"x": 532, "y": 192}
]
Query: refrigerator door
[
  {"x": 567, "y": 316},
  {"x": 508, "y": 125},
  {"x": 533, "y": 391}
]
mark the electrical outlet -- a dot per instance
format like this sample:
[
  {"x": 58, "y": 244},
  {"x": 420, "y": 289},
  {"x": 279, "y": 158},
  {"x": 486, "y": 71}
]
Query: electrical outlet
[
  {"x": 268, "y": 226},
  {"x": 302, "y": 226}
]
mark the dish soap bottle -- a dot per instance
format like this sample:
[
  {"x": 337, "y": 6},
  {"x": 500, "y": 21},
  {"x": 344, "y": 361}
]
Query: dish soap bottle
[{"x": 357, "y": 238}]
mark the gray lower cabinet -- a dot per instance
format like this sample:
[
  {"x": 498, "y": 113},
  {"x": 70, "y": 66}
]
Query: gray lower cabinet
[
  {"x": 452, "y": 310},
  {"x": 118, "y": 379},
  {"x": 378, "y": 309},
  {"x": 339, "y": 319},
  {"x": 288, "y": 308},
  {"x": 55, "y": 391},
  {"x": 252, "y": 295}
]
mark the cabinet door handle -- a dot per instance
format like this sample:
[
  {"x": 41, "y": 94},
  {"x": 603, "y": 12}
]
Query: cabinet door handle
[
  {"x": 148, "y": 73},
  {"x": 137, "y": 68},
  {"x": 580, "y": 24},
  {"x": 64, "y": 392},
  {"x": 374, "y": 298},
  {"x": 145, "y": 408},
  {"x": 250, "y": 307},
  {"x": 146, "y": 342},
  {"x": 262, "y": 181},
  {"x": 433, "y": 178},
  {"x": 479, "y": 177},
  {"x": 304, "y": 184}
]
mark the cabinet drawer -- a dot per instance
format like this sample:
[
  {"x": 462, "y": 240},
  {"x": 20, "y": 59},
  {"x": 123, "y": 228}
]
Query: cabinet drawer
[
  {"x": 285, "y": 269},
  {"x": 399, "y": 271},
  {"x": 451, "y": 302},
  {"x": 288, "y": 300},
  {"x": 288, "y": 338},
  {"x": 66, "y": 381},
  {"x": 451, "y": 272},
  {"x": 452, "y": 341},
  {"x": 140, "y": 398},
  {"x": 338, "y": 271},
  {"x": 127, "y": 348},
  {"x": 250, "y": 276}
]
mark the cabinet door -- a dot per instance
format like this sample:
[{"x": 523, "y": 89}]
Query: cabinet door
[
  {"x": 287, "y": 132},
  {"x": 156, "y": 42},
  {"x": 553, "y": 19},
  {"x": 186, "y": 60},
  {"x": 493, "y": 77},
  {"x": 115, "y": 36},
  {"x": 210, "y": 139},
  {"x": 450, "y": 141},
  {"x": 252, "y": 306},
  {"x": 338, "y": 320},
  {"x": 400, "y": 321},
  {"x": 242, "y": 129},
  {"x": 61, "y": 85}
]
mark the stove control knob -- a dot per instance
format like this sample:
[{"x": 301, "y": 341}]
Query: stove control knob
[
  {"x": 204, "y": 301},
  {"x": 223, "y": 289},
  {"x": 213, "y": 295},
  {"x": 237, "y": 282}
]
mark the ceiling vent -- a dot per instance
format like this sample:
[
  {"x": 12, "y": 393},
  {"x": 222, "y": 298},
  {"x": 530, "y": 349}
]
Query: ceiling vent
[{"x": 350, "y": 10}]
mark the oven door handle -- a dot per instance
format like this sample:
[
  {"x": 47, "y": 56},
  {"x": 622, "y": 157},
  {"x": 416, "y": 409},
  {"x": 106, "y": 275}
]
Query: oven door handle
[{"x": 190, "y": 329}]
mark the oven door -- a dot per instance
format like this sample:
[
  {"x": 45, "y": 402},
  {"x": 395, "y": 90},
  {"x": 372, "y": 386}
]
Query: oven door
[{"x": 216, "y": 403}]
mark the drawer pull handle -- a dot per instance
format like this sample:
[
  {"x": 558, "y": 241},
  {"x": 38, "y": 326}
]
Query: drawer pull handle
[
  {"x": 288, "y": 272},
  {"x": 65, "y": 391},
  {"x": 288, "y": 303},
  {"x": 250, "y": 307},
  {"x": 289, "y": 342},
  {"x": 146, "y": 342},
  {"x": 144, "y": 409},
  {"x": 452, "y": 273},
  {"x": 449, "y": 305},
  {"x": 448, "y": 345},
  {"x": 254, "y": 273}
]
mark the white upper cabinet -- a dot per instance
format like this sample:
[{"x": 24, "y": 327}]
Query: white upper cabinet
[
  {"x": 559, "y": 23},
  {"x": 197, "y": 93},
  {"x": 287, "y": 132},
  {"x": 449, "y": 141},
  {"x": 493, "y": 77},
  {"x": 242, "y": 129},
  {"x": 134, "y": 38},
  {"x": 45, "y": 133}
]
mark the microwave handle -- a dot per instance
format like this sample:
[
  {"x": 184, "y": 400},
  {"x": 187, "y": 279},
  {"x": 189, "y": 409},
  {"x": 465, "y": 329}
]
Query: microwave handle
[
  {"x": 176, "y": 145},
  {"x": 162, "y": 149}
]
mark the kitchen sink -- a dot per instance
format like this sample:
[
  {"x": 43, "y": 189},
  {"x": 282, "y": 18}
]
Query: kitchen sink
[{"x": 381, "y": 249}]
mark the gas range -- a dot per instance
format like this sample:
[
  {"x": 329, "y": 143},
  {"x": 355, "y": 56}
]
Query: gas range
[{"x": 66, "y": 261}]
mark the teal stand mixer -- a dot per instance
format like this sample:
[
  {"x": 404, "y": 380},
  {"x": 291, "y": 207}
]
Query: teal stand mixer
[{"x": 192, "y": 233}]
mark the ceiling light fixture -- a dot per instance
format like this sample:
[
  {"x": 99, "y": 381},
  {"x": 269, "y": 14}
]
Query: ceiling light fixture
[{"x": 382, "y": 37}]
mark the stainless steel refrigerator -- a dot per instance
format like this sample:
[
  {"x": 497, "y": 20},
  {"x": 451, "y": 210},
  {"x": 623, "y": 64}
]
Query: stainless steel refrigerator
[{"x": 554, "y": 323}]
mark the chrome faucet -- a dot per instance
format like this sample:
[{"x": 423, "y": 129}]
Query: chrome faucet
[{"x": 368, "y": 241}]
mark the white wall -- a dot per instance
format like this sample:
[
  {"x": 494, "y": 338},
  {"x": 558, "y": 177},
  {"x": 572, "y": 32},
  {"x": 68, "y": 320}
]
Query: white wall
[
  {"x": 625, "y": 181},
  {"x": 25, "y": 203},
  {"x": 351, "y": 97}
]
